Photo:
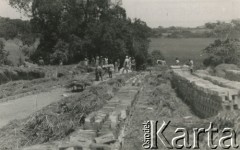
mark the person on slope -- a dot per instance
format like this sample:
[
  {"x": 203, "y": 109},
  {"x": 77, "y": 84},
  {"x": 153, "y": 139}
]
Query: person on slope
[
  {"x": 133, "y": 64},
  {"x": 97, "y": 62},
  {"x": 164, "y": 63},
  {"x": 126, "y": 65},
  {"x": 177, "y": 61},
  {"x": 191, "y": 65},
  {"x": 130, "y": 63},
  {"x": 98, "y": 73},
  {"x": 41, "y": 61},
  {"x": 106, "y": 61},
  {"x": 110, "y": 70}
]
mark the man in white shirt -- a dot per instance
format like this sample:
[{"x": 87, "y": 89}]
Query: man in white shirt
[
  {"x": 177, "y": 61},
  {"x": 191, "y": 65},
  {"x": 126, "y": 64}
]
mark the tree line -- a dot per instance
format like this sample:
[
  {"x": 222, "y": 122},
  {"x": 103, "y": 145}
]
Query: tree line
[
  {"x": 217, "y": 29},
  {"x": 11, "y": 28}
]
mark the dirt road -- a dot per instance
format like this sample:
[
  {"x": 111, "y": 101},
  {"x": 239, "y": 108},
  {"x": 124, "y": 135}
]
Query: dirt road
[{"x": 25, "y": 106}]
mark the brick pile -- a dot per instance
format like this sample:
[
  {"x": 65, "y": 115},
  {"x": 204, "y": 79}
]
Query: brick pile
[
  {"x": 206, "y": 98},
  {"x": 219, "y": 81}
]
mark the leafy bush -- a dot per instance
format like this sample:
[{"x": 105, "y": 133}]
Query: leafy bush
[
  {"x": 154, "y": 56},
  {"x": 3, "y": 54},
  {"x": 226, "y": 51},
  {"x": 60, "y": 53}
]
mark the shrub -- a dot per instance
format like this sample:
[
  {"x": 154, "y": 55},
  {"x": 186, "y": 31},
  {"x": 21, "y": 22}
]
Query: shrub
[
  {"x": 154, "y": 56},
  {"x": 226, "y": 51},
  {"x": 3, "y": 53}
]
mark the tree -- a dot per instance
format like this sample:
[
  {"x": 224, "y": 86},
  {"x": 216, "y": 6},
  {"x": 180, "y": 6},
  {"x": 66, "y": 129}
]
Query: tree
[
  {"x": 154, "y": 56},
  {"x": 11, "y": 28},
  {"x": 3, "y": 54},
  {"x": 210, "y": 25},
  {"x": 60, "y": 53},
  {"x": 22, "y": 5},
  {"x": 88, "y": 28},
  {"x": 226, "y": 51},
  {"x": 236, "y": 24},
  {"x": 223, "y": 30}
]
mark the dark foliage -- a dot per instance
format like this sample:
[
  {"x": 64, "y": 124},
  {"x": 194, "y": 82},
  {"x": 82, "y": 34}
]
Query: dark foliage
[
  {"x": 3, "y": 54},
  {"x": 11, "y": 28},
  {"x": 74, "y": 29},
  {"x": 154, "y": 56},
  {"x": 222, "y": 51}
]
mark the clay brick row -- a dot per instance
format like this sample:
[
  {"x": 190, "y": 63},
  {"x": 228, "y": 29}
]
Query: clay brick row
[
  {"x": 233, "y": 75},
  {"x": 206, "y": 98}
]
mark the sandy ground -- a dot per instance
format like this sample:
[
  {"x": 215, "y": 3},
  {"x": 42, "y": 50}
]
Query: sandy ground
[{"x": 25, "y": 106}]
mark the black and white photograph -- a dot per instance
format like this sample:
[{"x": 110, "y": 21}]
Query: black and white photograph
[{"x": 119, "y": 74}]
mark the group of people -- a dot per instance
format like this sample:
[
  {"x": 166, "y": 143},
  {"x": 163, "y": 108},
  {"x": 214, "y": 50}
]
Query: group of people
[
  {"x": 190, "y": 64},
  {"x": 103, "y": 65},
  {"x": 129, "y": 64}
]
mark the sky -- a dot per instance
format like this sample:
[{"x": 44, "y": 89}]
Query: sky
[
  {"x": 7, "y": 11},
  {"x": 186, "y": 13}
]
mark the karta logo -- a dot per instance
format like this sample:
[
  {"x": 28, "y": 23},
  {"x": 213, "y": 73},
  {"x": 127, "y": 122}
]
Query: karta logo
[{"x": 226, "y": 138}]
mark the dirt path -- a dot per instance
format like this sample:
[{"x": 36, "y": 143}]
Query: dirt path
[
  {"x": 25, "y": 106},
  {"x": 21, "y": 108}
]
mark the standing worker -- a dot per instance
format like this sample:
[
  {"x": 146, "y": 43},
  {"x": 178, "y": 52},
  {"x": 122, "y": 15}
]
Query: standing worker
[
  {"x": 99, "y": 73},
  {"x": 118, "y": 62},
  {"x": 191, "y": 65},
  {"x": 97, "y": 61},
  {"x": 41, "y": 61},
  {"x": 110, "y": 70},
  {"x": 133, "y": 64},
  {"x": 164, "y": 63},
  {"x": 92, "y": 61},
  {"x": 101, "y": 61},
  {"x": 177, "y": 62},
  {"x": 106, "y": 61},
  {"x": 85, "y": 62},
  {"x": 126, "y": 65},
  {"x": 130, "y": 63},
  {"x": 115, "y": 66}
]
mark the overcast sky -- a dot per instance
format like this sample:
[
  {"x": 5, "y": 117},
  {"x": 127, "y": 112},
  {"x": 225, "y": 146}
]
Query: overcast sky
[
  {"x": 8, "y": 11},
  {"x": 167, "y": 12}
]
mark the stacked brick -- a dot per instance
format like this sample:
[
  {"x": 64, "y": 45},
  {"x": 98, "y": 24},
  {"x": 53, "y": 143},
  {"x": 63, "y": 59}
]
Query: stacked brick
[
  {"x": 206, "y": 98},
  {"x": 223, "y": 83},
  {"x": 233, "y": 75},
  {"x": 219, "y": 81}
]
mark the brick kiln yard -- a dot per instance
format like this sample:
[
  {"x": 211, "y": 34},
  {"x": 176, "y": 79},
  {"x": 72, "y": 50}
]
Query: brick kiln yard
[{"x": 109, "y": 115}]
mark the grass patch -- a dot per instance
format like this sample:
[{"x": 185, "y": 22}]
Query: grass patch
[{"x": 183, "y": 48}]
